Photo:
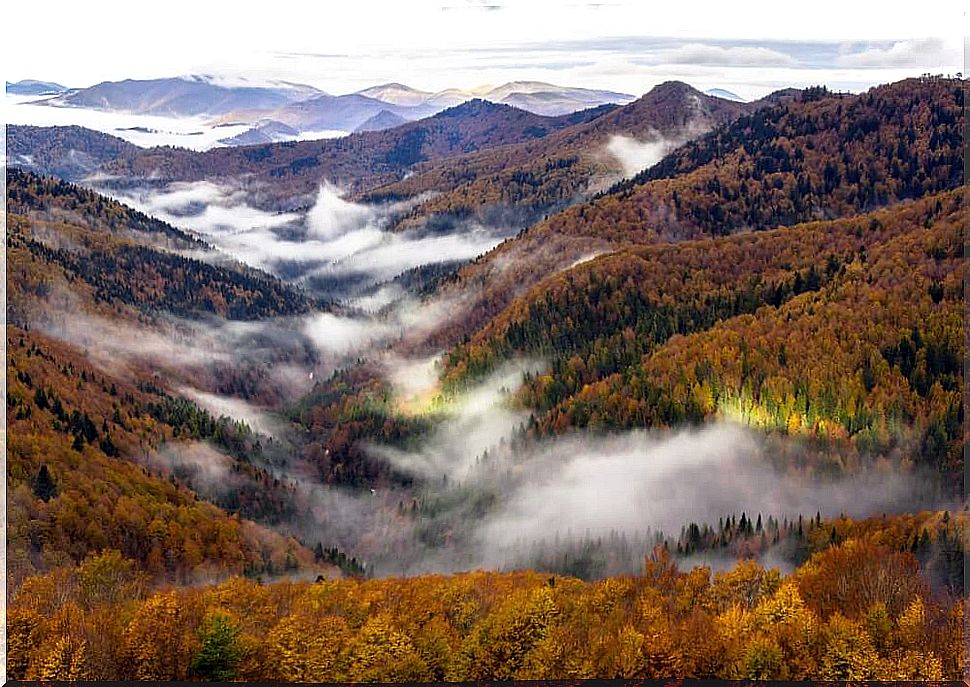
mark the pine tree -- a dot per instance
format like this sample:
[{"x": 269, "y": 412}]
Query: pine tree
[
  {"x": 44, "y": 487},
  {"x": 221, "y": 650}
]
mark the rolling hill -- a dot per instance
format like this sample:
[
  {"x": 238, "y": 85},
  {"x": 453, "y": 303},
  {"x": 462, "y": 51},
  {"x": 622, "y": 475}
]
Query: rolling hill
[
  {"x": 823, "y": 155},
  {"x": 292, "y": 170},
  {"x": 560, "y": 168},
  {"x": 60, "y": 235}
]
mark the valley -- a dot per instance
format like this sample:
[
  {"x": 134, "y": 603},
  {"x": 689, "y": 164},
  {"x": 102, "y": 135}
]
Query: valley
[{"x": 525, "y": 385}]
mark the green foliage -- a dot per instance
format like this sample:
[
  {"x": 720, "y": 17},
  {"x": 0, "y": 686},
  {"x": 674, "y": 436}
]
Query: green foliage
[{"x": 220, "y": 650}]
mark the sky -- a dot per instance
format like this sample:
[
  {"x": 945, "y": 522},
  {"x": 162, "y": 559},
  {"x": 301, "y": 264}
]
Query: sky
[{"x": 750, "y": 48}]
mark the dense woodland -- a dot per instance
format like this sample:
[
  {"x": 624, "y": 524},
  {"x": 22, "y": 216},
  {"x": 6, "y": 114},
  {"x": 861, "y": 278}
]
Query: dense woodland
[
  {"x": 85, "y": 473},
  {"x": 855, "y": 610},
  {"x": 58, "y": 233},
  {"x": 919, "y": 121},
  {"x": 798, "y": 270},
  {"x": 850, "y": 328},
  {"x": 67, "y": 152}
]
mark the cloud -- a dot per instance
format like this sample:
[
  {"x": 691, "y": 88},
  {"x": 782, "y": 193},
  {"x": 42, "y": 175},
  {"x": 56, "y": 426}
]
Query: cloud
[
  {"x": 734, "y": 56},
  {"x": 924, "y": 52},
  {"x": 332, "y": 216},
  {"x": 506, "y": 503},
  {"x": 637, "y": 481},
  {"x": 635, "y": 156},
  {"x": 337, "y": 247},
  {"x": 343, "y": 335},
  {"x": 208, "y": 470},
  {"x": 258, "y": 420},
  {"x": 477, "y": 421}
]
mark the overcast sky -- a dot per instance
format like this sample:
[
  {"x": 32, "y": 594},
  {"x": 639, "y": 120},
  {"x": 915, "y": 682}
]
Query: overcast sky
[{"x": 750, "y": 48}]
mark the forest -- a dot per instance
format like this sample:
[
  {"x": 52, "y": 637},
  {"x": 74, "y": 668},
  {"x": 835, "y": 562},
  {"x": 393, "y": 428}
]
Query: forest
[
  {"x": 787, "y": 286},
  {"x": 855, "y": 610}
]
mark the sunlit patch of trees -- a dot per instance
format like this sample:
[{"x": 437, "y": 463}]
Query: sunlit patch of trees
[
  {"x": 846, "y": 329},
  {"x": 355, "y": 405}
]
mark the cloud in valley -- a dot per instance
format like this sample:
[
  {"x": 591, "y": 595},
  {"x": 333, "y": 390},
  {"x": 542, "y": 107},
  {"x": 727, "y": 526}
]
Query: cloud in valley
[
  {"x": 337, "y": 246},
  {"x": 635, "y": 155}
]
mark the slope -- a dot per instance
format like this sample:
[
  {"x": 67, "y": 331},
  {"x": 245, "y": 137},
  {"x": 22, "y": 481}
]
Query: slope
[
  {"x": 82, "y": 476},
  {"x": 541, "y": 174},
  {"x": 820, "y": 156},
  {"x": 846, "y": 330},
  {"x": 105, "y": 253},
  {"x": 291, "y": 170}
]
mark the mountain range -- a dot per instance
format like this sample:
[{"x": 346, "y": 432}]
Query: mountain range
[
  {"x": 283, "y": 106},
  {"x": 33, "y": 87},
  {"x": 562, "y": 154}
]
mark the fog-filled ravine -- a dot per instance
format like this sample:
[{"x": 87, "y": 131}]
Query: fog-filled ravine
[{"x": 474, "y": 487}]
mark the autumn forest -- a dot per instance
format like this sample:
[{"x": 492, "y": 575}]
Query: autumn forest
[{"x": 468, "y": 398}]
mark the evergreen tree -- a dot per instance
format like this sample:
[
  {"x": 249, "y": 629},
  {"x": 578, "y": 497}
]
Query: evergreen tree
[
  {"x": 221, "y": 651},
  {"x": 44, "y": 487}
]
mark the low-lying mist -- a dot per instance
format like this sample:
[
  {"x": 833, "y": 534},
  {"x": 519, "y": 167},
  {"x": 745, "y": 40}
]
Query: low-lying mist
[
  {"x": 487, "y": 495},
  {"x": 635, "y": 155},
  {"x": 337, "y": 248}
]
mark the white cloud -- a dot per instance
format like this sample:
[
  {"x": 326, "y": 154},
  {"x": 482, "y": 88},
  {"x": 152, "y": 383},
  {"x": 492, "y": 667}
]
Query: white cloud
[
  {"x": 636, "y": 156},
  {"x": 331, "y": 216},
  {"x": 343, "y": 335},
  {"x": 341, "y": 239},
  {"x": 236, "y": 408},
  {"x": 745, "y": 56},
  {"x": 921, "y": 53}
]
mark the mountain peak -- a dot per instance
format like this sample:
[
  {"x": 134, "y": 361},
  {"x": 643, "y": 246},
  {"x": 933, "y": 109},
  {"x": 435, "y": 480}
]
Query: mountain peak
[
  {"x": 473, "y": 108},
  {"x": 672, "y": 88}
]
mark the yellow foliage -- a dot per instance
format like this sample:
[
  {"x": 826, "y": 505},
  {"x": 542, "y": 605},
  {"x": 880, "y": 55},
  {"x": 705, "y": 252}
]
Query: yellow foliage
[{"x": 306, "y": 649}]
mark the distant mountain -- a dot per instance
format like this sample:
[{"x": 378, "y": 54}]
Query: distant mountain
[
  {"x": 548, "y": 99},
  {"x": 343, "y": 112},
  {"x": 385, "y": 119},
  {"x": 293, "y": 170},
  {"x": 304, "y": 108},
  {"x": 183, "y": 96},
  {"x": 32, "y": 87},
  {"x": 727, "y": 95},
  {"x": 266, "y": 131},
  {"x": 397, "y": 94},
  {"x": 535, "y": 96}
]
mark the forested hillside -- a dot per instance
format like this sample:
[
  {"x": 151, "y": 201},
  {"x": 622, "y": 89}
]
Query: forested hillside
[
  {"x": 854, "y": 611},
  {"x": 62, "y": 236},
  {"x": 68, "y": 152},
  {"x": 848, "y": 328},
  {"x": 899, "y": 141},
  {"x": 84, "y": 473}
]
